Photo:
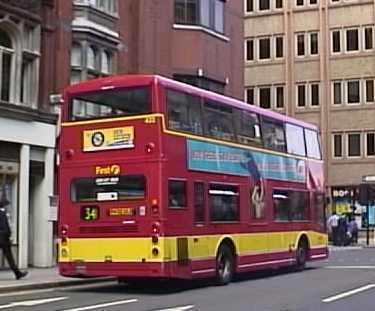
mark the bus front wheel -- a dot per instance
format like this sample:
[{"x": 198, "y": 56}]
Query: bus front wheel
[{"x": 224, "y": 265}]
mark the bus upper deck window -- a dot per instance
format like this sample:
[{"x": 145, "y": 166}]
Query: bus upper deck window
[{"x": 109, "y": 103}]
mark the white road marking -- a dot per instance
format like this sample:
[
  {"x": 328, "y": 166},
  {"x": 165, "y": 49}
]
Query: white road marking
[
  {"x": 27, "y": 292},
  {"x": 103, "y": 305},
  {"x": 349, "y": 267},
  {"x": 349, "y": 293},
  {"x": 30, "y": 303},
  {"x": 182, "y": 308}
]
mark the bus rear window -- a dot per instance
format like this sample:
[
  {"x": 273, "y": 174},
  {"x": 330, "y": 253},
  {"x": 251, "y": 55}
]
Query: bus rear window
[
  {"x": 112, "y": 188},
  {"x": 110, "y": 103}
]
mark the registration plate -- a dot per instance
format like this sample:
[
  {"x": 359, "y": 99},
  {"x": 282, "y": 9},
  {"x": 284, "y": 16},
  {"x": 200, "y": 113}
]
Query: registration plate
[{"x": 121, "y": 211}]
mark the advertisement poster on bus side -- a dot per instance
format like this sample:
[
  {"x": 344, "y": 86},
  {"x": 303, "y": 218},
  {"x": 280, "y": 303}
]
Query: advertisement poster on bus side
[{"x": 217, "y": 158}]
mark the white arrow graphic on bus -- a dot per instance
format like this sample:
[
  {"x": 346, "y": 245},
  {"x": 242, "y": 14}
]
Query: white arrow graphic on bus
[
  {"x": 30, "y": 303},
  {"x": 182, "y": 308}
]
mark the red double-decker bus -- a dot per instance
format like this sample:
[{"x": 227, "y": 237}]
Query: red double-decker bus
[{"x": 160, "y": 179}]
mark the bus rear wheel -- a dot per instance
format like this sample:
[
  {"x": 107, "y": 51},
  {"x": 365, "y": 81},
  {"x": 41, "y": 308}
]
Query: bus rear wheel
[
  {"x": 224, "y": 265},
  {"x": 301, "y": 254}
]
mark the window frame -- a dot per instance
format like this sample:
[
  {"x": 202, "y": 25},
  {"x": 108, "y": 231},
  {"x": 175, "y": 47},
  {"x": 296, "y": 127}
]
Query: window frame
[
  {"x": 304, "y": 85},
  {"x": 347, "y": 92},
  {"x": 269, "y": 49},
  {"x": 178, "y": 180},
  {"x": 366, "y": 134},
  {"x": 339, "y": 31},
  {"x": 364, "y": 43},
  {"x": 341, "y": 84},
  {"x": 342, "y": 147},
  {"x": 348, "y": 145},
  {"x": 365, "y": 95},
  {"x": 237, "y": 194},
  {"x": 346, "y": 40}
]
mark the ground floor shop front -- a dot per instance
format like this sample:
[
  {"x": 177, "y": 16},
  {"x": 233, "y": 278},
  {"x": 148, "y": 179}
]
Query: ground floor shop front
[{"x": 27, "y": 157}]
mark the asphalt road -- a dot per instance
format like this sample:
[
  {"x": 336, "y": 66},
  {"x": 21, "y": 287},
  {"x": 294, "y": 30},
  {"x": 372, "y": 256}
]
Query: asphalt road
[{"x": 345, "y": 282}]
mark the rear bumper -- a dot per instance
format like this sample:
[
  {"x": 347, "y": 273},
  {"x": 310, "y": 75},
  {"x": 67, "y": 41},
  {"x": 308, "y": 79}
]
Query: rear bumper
[{"x": 129, "y": 270}]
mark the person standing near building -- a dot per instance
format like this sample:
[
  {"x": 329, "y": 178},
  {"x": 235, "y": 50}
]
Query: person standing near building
[
  {"x": 5, "y": 243},
  {"x": 333, "y": 225}
]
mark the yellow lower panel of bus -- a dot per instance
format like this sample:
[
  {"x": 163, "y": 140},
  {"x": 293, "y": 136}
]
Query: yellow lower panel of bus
[{"x": 198, "y": 247}]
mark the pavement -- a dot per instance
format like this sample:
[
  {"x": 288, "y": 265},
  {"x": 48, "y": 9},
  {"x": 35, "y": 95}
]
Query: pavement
[{"x": 39, "y": 278}]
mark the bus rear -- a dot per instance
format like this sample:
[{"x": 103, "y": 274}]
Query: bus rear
[{"x": 109, "y": 181}]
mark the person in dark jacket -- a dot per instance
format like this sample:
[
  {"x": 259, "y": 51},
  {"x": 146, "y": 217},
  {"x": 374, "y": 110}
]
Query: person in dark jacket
[{"x": 5, "y": 243}]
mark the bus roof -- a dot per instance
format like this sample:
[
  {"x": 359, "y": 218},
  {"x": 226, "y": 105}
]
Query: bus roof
[{"x": 147, "y": 79}]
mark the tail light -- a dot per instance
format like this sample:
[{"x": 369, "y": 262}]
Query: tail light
[
  {"x": 64, "y": 230},
  {"x": 150, "y": 147},
  {"x": 64, "y": 241},
  {"x": 155, "y": 231},
  {"x": 154, "y": 206}
]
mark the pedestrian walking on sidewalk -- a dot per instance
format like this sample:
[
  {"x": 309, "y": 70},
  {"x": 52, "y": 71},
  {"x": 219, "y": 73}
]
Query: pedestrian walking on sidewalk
[{"x": 5, "y": 242}]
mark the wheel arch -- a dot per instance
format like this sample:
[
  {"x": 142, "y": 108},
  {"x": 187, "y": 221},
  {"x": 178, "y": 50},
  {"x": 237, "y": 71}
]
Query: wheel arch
[{"x": 228, "y": 240}]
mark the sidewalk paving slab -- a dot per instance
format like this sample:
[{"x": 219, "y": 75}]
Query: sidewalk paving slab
[{"x": 40, "y": 278}]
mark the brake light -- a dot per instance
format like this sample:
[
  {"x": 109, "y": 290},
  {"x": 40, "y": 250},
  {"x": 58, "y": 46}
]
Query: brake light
[
  {"x": 64, "y": 241},
  {"x": 154, "y": 206},
  {"x": 69, "y": 153},
  {"x": 155, "y": 228},
  {"x": 64, "y": 230},
  {"x": 150, "y": 147}
]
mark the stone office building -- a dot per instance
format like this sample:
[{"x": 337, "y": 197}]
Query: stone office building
[
  {"x": 314, "y": 59},
  {"x": 27, "y": 128}
]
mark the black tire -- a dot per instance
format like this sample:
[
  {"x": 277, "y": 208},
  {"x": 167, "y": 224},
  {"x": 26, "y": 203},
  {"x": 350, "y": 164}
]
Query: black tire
[
  {"x": 301, "y": 255},
  {"x": 224, "y": 265}
]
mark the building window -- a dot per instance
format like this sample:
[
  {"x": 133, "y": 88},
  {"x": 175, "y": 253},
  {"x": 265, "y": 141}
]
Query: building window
[
  {"x": 97, "y": 63},
  {"x": 249, "y": 6},
  {"x": 76, "y": 55},
  {"x": 314, "y": 49},
  {"x": 207, "y": 13},
  {"x": 279, "y": 47},
  {"x": 279, "y": 4},
  {"x": 301, "y": 95},
  {"x": 249, "y": 49},
  {"x": 314, "y": 94},
  {"x": 370, "y": 144},
  {"x": 279, "y": 97},
  {"x": 354, "y": 145},
  {"x": 6, "y": 59},
  {"x": 300, "y": 2},
  {"x": 265, "y": 97},
  {"x": 300, "y": 44},
  {"x": 370, "y": 91},
  {"x": 107, "y": 6},
  {"x": 337, "y": 93},
  {"x": 352, "y": 40},
  {"x": 265, "y": 48},
  {"x": 353, "y": 92},
  {"x": 369, "y": 38},
  {"x": 336, "y": 41},
  {"x": 313, "y": 2},
  {"x": 250, "y": 96},
  {"x": 337, "y": 146},
  {"x": 264, "y": 5}
]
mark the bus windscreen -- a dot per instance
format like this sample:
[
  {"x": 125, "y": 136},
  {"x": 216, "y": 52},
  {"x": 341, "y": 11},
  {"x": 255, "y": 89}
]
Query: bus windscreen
[{"x": 110, "y": 103}]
